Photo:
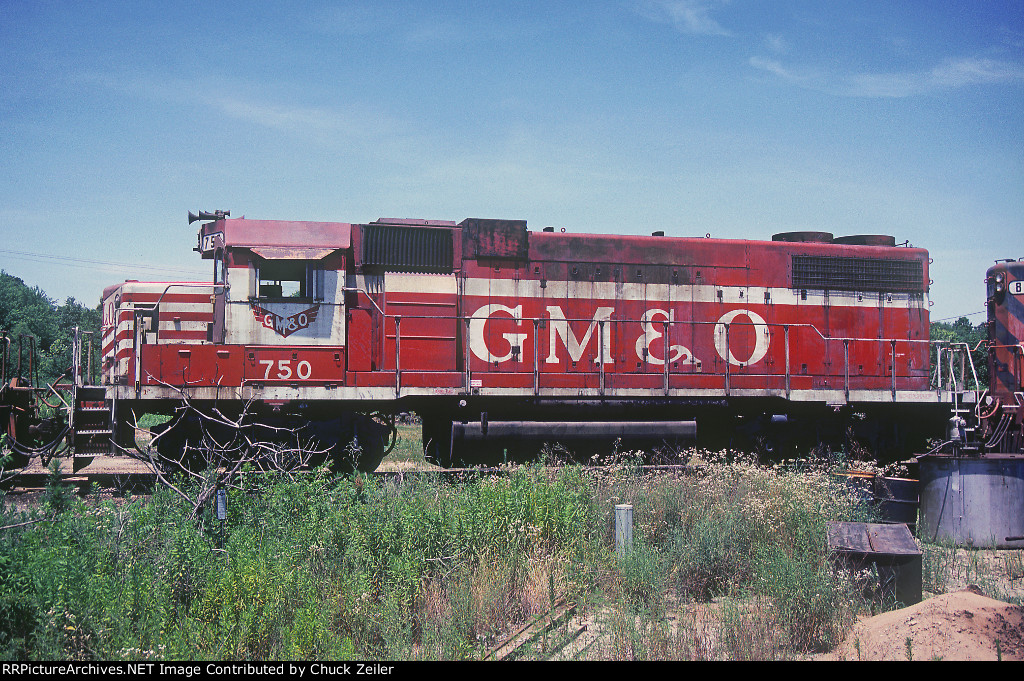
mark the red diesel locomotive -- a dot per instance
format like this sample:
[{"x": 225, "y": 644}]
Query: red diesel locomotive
[
  {"x": 1001, "y": 409},
  {"x": 502, "y": 339}
]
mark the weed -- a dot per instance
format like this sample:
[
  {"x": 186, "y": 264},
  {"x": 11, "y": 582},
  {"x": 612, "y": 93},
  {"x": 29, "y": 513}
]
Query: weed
[
  {"x": 339, "y": 567},
  {"x": 643, "y": 579},
  {"x": 59, "y": 496}
]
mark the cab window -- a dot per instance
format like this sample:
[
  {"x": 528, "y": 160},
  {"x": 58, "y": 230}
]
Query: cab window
[{"x": 289, "y": 279}]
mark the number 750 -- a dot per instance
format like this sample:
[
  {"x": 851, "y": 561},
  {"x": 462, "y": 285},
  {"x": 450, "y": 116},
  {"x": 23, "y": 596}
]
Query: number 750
[{"x": 284, "y": 369}]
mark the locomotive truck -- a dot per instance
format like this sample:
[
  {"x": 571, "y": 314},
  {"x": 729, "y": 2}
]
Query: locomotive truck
[{"x": 504, "y": 339}]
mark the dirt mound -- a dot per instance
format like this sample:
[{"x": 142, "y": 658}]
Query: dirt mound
[{"x": 963, "y": 625}]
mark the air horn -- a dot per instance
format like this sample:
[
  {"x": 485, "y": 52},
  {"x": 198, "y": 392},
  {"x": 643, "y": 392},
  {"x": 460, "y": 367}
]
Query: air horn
[{"x": 203, "y": 215}]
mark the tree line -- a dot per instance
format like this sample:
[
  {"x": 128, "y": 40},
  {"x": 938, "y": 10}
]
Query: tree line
[{"x": 33, "y": 321}]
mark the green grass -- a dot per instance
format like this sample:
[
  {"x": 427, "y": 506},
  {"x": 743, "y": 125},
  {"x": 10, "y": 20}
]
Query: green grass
[
  {"x": 321, "y": 567},
  {"x": 408, "y": 446}
]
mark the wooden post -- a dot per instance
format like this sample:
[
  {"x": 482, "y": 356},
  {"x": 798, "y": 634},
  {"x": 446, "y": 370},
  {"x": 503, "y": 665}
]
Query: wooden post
[{"x": 623, "y": 529}]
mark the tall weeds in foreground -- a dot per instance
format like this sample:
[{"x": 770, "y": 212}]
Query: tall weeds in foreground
[
  {"x": 739, "y": 531},
  {"x": 728, "y": 563},
  {"x": 314, "y": 568}
]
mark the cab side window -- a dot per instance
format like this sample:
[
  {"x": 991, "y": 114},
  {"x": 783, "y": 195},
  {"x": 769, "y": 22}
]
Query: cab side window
[{"x": 289, "y": 280}]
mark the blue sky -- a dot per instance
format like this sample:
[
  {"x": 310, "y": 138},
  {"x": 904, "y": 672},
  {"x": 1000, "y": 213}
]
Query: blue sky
[{"x": 736, "y": 118}]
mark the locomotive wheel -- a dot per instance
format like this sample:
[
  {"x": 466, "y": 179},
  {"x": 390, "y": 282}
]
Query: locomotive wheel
[
  {"x": 372, "y": 437},
  {"x": 186, "y": 441}
]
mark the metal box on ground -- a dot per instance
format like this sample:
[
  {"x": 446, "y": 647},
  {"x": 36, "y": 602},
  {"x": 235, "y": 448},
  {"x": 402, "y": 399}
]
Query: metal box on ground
[{"x": 890, "y": 549}]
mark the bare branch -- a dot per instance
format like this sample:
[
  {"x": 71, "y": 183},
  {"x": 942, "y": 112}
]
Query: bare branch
[
  {"x": 216, "y": 447},
  {"x": 28, "y": 522}
]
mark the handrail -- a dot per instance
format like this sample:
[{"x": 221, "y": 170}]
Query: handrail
[
  {"x": 136, "y": 308},
  {"x": 945, "y": 369},
  {"x": 602, "y": 335},
  {"x": 346, "y": 289},
  {"x": 956, "y": 349}
]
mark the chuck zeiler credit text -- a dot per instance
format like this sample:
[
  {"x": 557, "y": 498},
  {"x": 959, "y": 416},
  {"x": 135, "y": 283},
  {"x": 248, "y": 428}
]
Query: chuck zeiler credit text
[{"x": 190, "y": 670}]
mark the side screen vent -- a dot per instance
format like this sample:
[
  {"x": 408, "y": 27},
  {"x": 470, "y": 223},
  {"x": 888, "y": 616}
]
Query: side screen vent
[
  {"x": 857, "y": 274},
  {"x": 408, "y": 249}
]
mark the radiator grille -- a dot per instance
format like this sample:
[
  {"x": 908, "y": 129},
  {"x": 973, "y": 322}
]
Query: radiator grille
[
  {"x": 857, "y": 274},
  {"x": 408, "y": 249}
]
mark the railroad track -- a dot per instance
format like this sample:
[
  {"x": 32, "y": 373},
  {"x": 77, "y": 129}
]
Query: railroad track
[{"x": 123, "y": 473}]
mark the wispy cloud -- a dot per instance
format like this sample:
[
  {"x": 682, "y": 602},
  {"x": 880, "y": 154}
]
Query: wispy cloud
[
  {"x": 774, "y": 66},
  {"x": 278, "y": 116},
  {"x": 347, "y": 20},
  {"x": 355, "y": 128},
  {"x": 415, "y": 27},
  {"x": 951, "y": 74},
  {"x": 776, "y": 43},
  {"x": 688, "y": 16},
  {"x": 266, "y": 105}
]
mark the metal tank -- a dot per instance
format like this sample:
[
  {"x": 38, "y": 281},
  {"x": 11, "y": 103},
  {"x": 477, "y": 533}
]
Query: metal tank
[
  {"x": 975, "y": 496},
  {"x": 973, "y": 501}
]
